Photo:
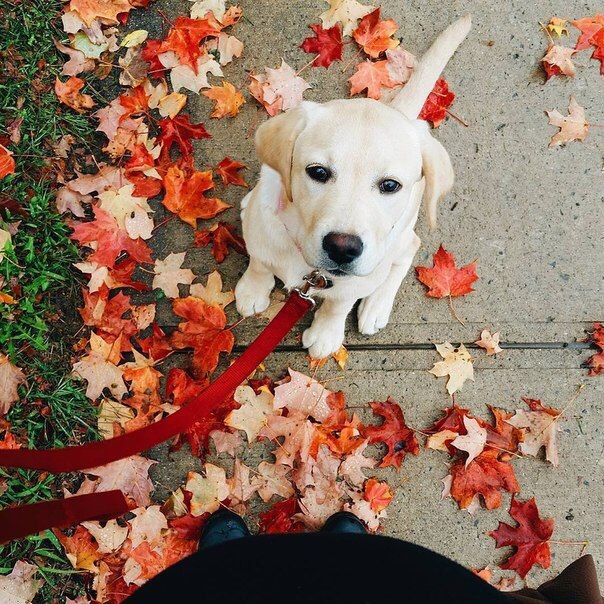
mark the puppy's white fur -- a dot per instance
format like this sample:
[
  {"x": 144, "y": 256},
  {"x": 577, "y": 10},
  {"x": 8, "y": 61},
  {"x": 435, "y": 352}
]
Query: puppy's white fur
[{"x": 362, "y": 142}]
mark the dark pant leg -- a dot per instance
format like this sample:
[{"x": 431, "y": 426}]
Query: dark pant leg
[{"x": 318, "y": 567}]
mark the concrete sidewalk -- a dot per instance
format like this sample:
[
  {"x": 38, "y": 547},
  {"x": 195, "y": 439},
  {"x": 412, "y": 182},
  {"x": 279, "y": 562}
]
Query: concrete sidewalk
[{"x": 533, "y": 217}]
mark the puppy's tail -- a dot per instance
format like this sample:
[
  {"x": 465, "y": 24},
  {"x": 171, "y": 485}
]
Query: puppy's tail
[{"x": 412, "y": 97}]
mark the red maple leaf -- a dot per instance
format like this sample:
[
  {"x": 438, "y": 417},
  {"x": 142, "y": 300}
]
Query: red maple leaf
[
  {"x": 280, "y": 518},
  {"x": 222, "y": 236},
  {"x": 394, "y": 432},
  {"x": 377, "y": 494},
  {"x": 204, "y": 330},
  {"x": 184, "y": 195},
  {"x": 375, "y": 36},
  {"x": 444, "y": 278},
  {"x": 485, "y": 476},
  {"x": 530, "y": 537},
  {"x": 121, "y": 274},
  {"x": 157, "y": 345},
  {"x": 150, "y": 53},
  {"x": 111, "y": 240},
  {"x": 596, "y": 361},
  {"x": 180, "y": 131},
  {"x": 327, "y": 43},
  {"x": 185, "y": 36},
  {"x": 229, "y": 172},
  {"x": 437, "y": 103},
  {"x": 181, "y": 387}
]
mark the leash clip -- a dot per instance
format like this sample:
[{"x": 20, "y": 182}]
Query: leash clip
[{"x": 316, "y": 280}]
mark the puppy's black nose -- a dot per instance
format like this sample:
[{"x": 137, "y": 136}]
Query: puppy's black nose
[{"x": 342, "y": 248}]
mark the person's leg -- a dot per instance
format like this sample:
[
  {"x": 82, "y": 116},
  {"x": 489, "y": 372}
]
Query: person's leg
[{"x": 319, "y": 567}]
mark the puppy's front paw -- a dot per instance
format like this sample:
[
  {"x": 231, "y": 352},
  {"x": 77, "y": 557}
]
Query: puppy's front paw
[
  {"x": 322, "y": 339},
  {"x": 251, "y": 298},
  {"x": 374, "y": 313}
]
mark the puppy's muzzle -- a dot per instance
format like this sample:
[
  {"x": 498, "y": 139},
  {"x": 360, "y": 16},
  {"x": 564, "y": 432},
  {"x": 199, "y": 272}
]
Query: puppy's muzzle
[{"x": 342, "y": 248}]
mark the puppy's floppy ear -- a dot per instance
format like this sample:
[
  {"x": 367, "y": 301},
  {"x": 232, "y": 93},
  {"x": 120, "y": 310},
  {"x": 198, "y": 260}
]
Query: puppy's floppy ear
[
  {"x": 276, "y": 139},
  {"x": 437, "y": 170}
]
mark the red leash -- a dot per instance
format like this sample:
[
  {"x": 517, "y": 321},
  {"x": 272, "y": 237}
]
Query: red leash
[{"x": 22, "y": 521}]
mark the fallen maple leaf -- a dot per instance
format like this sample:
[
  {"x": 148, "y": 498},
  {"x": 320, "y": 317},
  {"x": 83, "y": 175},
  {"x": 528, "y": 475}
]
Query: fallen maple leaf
[
  {"x": 228, "y": 170},
  {"x": 377, "y": 494},
  {"x": 285, "y": 84},
  {"x": 11, "y": 377},
  {"x": 589, "y": 27},
  {"x": 596, "y": 361},
  {"x": 227, "y": 46},
  {"x": 273, "y": 480},
  {"x": 375, "y": 36},
  {"x": 169, "y": 274},
  {"x": 400, "y": 64},
  {"x": 221, "y": 236},
  {"x": 371, "y": 76},
  {"x": 437, "y": 104},
  {"x": 7, "y": 163},
  {"x": 184, "y": 195},
  {"x": 457, "y": 364},
  {"x": 204, "y": 330},
  {"x": 179, "y": 131},
  {"x": 81, "y": 548},
  {"x": 573, "y": 127},
  {"x": 490, "y": 342},
  {"x": 446, "y": 279},
  {"x": 530, "y": 537},
  {"x": 110, "y": 239},
  {"x": 147, "y": 525},
  {"x": 557, "y": 26},
  {"x": 327, "y": 43},
  {"x": 69, "y": 93},
  {"x": 90, "y": 10},
  {"x": 207, "y": 491},
  {"x": 540, "y": 429},
  {"x": 485, "y": 476},
  {"x": 473, "y": 442},
  {"x": 19, "y": 586},
  {"x": 394, "y": 432},
  {"x": 185, "y": 36},
  {"x": 228, "y": 100},
  {"x": 251, "y": 416},
  {"x": 305, "y": 395},
  {"x": 558, "y": 61},
  {"x": 281, "y": 518},
  {"x": 129, "y": 475},
  {"x": 212, "y": 293},
  {"x": 346, "y": 12},
  {"x": 109, "y": 537}
]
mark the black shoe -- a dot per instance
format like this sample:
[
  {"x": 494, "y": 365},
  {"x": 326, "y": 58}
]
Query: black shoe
[
  {"x": 222, "y": 526},
  {"x": 343, "y": 522}
]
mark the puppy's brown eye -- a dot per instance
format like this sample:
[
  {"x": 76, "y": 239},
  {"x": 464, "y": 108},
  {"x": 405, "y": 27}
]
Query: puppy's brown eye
[
  {"x": 318, "y": 173},
  {"x": 390, "y": 186}
]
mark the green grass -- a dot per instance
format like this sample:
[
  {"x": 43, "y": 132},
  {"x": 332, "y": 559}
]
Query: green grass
[{"x": 36, "y": 332}]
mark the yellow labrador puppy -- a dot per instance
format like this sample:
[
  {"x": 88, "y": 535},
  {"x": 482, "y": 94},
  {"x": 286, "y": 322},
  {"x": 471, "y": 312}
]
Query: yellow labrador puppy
[{"x": 340, "y": 189}]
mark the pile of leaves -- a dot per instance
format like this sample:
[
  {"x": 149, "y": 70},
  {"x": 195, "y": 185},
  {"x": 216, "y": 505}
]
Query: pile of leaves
[{"x": 323, "y": 455}]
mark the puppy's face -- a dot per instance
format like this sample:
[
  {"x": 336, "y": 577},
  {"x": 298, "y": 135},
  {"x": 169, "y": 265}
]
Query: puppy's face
[{"x": 351, "y": 171}]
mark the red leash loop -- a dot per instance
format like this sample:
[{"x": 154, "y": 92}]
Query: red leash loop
[{"x": 34, "y": 517}]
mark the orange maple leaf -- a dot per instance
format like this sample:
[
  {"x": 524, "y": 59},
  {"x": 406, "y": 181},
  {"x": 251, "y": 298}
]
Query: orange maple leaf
[
  {"x": 7, "y": 163},
  {"x": 185, "y": 36},
  {"x": 228, "y": 169},
  {"x": 89, "y": 10},
  {"x": 228, "y": 100},
  {"x": 184, "y": 195},
  {"x": 371, "y": 75},
  {"x": 69, "y": 93},
  {"x": 444, "y": 278},
  {"x": 374, "y": 36}
]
